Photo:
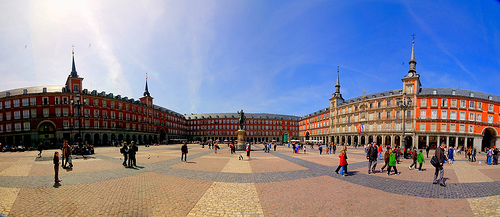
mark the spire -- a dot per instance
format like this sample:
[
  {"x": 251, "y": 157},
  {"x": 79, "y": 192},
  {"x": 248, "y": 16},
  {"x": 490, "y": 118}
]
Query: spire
[
  {"x": 337, "y": 93},
  {"x": 146, "y": 91},
  {"x": 412, "y": 62},
  {"x": 74, "y": 74},
  {"x": 337, "y": 86}
]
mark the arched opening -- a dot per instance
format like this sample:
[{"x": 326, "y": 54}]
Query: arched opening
[
  {"x": 105, "y": 140},
  {"x": 134, "y": 138},
  {"x": 285, "y": 137},
  {"x": 163, "y": 135},
  {"x": 307, "y": 135},
  {"x": 87, "y": 140},
  {"x": 370, "y": 139},
  {"x": 355, "y": 140},
  {"x": 47, "y": 133},
  {"x": 349, "y": 140},
  {"x": 387, "y": 141},
  {"x": 120, "y": 138},
  {"x": 127, "y": 138},
  {"x": 363, "y": 140},
  {"x": 379, "y": 140},
  {"x": 489, "y": 138},
  {"x": 97, "y": 140}
]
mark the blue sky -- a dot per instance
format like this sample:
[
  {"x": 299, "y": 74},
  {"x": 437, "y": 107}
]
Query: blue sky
[{"x": 260, "y": 56}]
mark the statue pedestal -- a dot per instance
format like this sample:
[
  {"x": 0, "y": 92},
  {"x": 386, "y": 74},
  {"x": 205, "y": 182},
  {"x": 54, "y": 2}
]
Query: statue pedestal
[{"x": 241, "y": 146}]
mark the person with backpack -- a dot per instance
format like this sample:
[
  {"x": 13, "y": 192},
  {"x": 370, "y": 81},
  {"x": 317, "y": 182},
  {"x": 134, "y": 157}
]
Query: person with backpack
[
  {"x": 386, "y": 159},
  {"x": 124, "y": 151},
  {"x": 414, "y": 158},
  {"x": 441, "y": 158},
  {"x": 371, "y": 155}
]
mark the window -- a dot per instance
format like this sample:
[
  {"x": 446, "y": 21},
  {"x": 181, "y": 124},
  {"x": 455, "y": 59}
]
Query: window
[
  {"x": 453, "y": 115},
  {"x": 25, "y": 91},
  {"x": 444, "y": 114},
  {"x": 479, "y": 105},
  {"x": 65, "y": 100},
  {"x": 471, "y": 116},
  {"x": 16, "y": 103},
  {"x": 76, "y": 89},
  {"x": 45, "y": 100},
  {"x": 65, "y": 124},
  {"x": 490, "y": 119},
  {"x": 17, "y": 115},
  {"x": 46, "y": 112},
  {"x": 434, "y": 92},
  {"x": 388, "y": 115},
  {"x": 423, "y": 102},
  {"x": 423, "y": 114},
  {"x": 120, "y": 106},
  {"x": 471, "y": 128},
  {"x": 434, "y": 102},
  {"x": 33, "y": 113},
  {"x": 1, "y": 117},
  {"x": 96, "y": 102},
  {"x": 25, "y": 102},
  {"x": 462, "y": 116},
  {"x": 1, "y": 128},
  {"x": 490, "y": 97},
  {"x": 26, "y": 114},
  {"x": 8, "y": 128},
  {"x": 479, "y": 117},
  {"x": 56, "y": 100},
  {"x": 461, "y": 128},
  {"x": 32, "y": 101},
  {"x": 463, "y": 104},
  {"x": 433, "y": 127},
  {"x": 453, "y": 103},
  {"x": 104, "y": 104},
  {"x": 453, "y": 127},
  {"x": 7, "y": 104},
  {"x": 471, "y": 105},
  {"x": 58, "y": 112},
  {"x": 471, "y": 94},
  {"x": 490, "y": 107},
  {"x": 7, "y": 116},
  {"x": 453, "y": 92},
  {"x": 27, "y": 126},
  {"x": 422, "y": 127},
  {"x": 444, "y": 103},
  {"x": 96, "y": 124},
  {"x": 112, "y": 114},
  {"x": 443, "y": 127},
  {"x": 1, "y": 105},
  {"x": 17, "y": 126},
  {"x": 112, "y": 104},
  {"x": 65, "y": 112},
  {"x": 96, "y": 113},
  {"x": 434, "y": 114}
]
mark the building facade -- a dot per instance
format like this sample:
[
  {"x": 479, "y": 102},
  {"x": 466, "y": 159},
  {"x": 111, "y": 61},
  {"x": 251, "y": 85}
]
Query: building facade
[{"x": 431, "y": 116}]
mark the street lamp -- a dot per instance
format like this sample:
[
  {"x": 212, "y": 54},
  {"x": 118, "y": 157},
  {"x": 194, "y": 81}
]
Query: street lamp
[
  {"x": 76, "y": 102},
  {"x": 405, "y": 103}
]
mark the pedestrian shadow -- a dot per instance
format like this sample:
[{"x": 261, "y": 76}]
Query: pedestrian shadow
[
  {"x": 133, "y": 168},
  {"x": 191, "y": 162},
  {"x": 140, "y": 167},
  {"x": 68, "y": 169},
  {"x": 352, "y": 173}
]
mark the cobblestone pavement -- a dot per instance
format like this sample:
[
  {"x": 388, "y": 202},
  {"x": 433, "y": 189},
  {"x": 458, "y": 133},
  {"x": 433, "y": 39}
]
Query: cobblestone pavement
[{"x": 279, "y": 183}]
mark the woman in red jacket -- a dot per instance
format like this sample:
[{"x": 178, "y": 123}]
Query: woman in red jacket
[{"x": 343, "y": 162}]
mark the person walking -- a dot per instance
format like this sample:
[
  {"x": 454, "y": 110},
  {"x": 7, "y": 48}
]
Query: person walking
[
  {"x": 473, "y": 154},
  {"x": 343, "y": 150},
  {"x": 320, "y": 148},
  {"x": 248, "y": 151},
  {"x": 386, "y": 158},
  {"x": 451, "y": 155},
  {"x": 40, "y": 149},
  {"x": 489, "y": 155},
  {"x": 495, "y": 156},
  {"x": 184, "y": 150},
  {"x": 56, "y": 167},
  {"x": 275, "y": 146},
  {"x": 371, "y": 155},
  {"x": 343, "y": 163},
  {"x": 392, "y": 164},
  {"x": 420, "y": 160},
  {"x": 66, "y": 153},
  {"x": 414, "y": 158},
  {"x": 441, "y": 157},
  {"x": 427, "y": 151},
  {"x": 216, "y": 147},
  {"x": 379, "y": 152},
  {"x": 124, "y": 151},
  {"x": 334, "y": 147}
]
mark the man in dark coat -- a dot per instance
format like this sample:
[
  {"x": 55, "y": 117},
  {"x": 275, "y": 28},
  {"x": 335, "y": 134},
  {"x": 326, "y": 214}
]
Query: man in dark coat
[
  {"x": 372, "y": 155},
  {"x": 439, "y": 169},
  {"x": 184, "y": 150}
]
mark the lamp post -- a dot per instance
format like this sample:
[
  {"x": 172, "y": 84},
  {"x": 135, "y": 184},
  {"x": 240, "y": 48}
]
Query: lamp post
[
  {"x": 77, "y": 103},
  {"x": 405, "y": 103}
]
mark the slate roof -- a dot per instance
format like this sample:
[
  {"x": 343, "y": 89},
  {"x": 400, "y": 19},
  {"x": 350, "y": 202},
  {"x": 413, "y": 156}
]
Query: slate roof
[
  {"x": 317, "y": 112},
  {"x": 247, "y": 115}
]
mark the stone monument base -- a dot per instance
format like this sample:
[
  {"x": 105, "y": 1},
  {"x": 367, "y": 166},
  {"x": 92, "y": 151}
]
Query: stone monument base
[{"x": 241, "y": 146}]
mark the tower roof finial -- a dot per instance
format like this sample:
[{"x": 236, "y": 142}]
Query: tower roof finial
[
  {"x": 73, "y": 74},
  {"x": 412, "y": 62},
  {"x": 146, "y": 91}
]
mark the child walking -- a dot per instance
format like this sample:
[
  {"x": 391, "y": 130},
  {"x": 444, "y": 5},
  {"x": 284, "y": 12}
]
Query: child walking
[
  {"x": 56, "y": 167},
  {"x": 392, "y": 164},
  {"x": 420, "y": 160}
]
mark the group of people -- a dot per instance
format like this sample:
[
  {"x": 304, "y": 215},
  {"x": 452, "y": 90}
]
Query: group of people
[
  {"x": 129, "y": 152},
  {"x": 492, "y": 156}
]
